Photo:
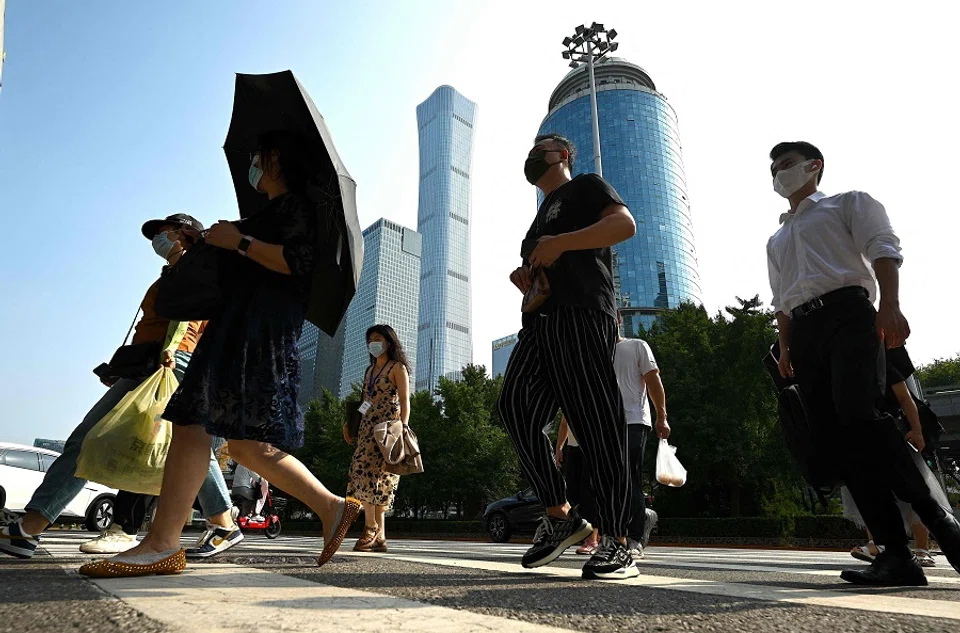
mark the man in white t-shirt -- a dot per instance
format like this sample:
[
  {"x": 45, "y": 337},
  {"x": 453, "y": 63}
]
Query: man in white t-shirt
[{"x": 639, "y": 377}]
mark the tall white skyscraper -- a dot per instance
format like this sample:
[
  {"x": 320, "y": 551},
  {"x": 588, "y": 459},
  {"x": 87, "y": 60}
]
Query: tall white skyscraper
[
  {"x": 445, "y": 344},
  {"x": 388, "y": 292}
]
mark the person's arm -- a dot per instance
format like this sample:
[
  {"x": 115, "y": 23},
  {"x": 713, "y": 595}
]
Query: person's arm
[
  {"x": 915, "y": 435},
  {"x": 226, "y": 235},
  {"x": 401, "y": 379},
  {"x": 655, "y": 388},
  {"x": 614, "y": 226},
  {"x": 562, "y": 435},
  {"x": 875, "y": 239},
  {"x": 783, "y": 337},
  {"x": 891, "y": 324}
]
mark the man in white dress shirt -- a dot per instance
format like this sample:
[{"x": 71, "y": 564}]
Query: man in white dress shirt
[{"x": 825, "y": 263}]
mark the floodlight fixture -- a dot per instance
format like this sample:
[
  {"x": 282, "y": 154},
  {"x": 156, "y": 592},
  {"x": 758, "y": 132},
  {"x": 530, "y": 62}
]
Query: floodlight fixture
[
  {"x": 580, "y": 29},
  {"x": 612, "y": 34},
  {"x": 567, "y": 41}
]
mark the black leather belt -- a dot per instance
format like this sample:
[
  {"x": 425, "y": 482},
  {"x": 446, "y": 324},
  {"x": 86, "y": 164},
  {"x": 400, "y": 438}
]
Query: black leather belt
[{"x": 836, "y": 296}]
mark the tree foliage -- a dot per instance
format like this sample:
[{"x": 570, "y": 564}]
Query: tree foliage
[
  {"x": 723, "y": 410},
  {"x": 943, "y": 372}
]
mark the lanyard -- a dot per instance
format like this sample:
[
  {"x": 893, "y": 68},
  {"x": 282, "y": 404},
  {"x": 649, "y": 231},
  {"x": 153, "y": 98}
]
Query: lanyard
[{"x": 373, "y": 379}]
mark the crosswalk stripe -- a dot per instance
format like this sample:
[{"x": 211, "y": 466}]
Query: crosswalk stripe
[{"x": 811, "y": 597}]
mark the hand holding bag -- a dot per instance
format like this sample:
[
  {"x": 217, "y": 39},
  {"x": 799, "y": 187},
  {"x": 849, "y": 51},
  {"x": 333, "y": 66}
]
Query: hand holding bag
[
  {"x": 399, "y": 446},
  {"x": 127, "y": 449},
  {"x": 670, "y": 472},
  {"x": 538, "y": 293}
]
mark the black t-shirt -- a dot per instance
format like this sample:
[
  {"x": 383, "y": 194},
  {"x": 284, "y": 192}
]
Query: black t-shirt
[
  {"x": 899, "y": 368},
  {"x": 578, "y": 278}
]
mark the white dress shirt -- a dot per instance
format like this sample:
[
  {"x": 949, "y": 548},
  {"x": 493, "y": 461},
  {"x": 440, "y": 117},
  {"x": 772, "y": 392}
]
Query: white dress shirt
[{"x": 829, "y": 243}]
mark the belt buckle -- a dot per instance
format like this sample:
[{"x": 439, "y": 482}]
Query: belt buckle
[{"x": 815, "y": 304}]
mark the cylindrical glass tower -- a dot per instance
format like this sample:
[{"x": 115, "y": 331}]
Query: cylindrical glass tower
[{"x": 640, "y": 147}]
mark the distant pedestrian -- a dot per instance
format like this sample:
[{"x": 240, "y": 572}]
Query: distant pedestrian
[
  {"x": 897, "y": 401},
  {"x": 639, "y": 379},
  {"x": 244, "y": 379},
  {"x": 825, "y": 263},
  {"x": 564, "y": 357},
  {"x": 386, "y": 398},
  {"x": 579, "y": 489}
]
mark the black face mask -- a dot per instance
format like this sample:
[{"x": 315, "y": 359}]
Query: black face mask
[{"x": 536, "y": 166}]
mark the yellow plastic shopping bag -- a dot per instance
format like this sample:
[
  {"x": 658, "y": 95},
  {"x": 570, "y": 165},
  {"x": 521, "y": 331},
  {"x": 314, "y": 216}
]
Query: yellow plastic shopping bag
[{"x": 127, "y": 449}]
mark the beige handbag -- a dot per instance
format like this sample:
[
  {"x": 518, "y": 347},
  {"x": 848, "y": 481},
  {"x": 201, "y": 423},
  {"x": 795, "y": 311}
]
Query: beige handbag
[{"x": 400, "y": 447}]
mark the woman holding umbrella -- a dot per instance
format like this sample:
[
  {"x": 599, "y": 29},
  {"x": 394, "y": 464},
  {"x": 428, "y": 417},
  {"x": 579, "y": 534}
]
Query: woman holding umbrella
[{"x": 245, "y": 375}]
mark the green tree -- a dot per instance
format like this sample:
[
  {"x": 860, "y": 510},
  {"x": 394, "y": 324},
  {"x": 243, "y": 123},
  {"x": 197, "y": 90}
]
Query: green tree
[
  {"x": 943, "y": 372},
  {"x": 724, "y": 413}
]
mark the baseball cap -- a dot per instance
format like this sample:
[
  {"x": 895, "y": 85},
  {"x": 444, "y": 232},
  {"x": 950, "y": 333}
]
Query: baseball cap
[{"x": 150, "y": 227}]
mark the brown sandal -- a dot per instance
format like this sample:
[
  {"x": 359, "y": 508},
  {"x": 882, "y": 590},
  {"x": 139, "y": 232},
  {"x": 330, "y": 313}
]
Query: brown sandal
[
  {"x": 368, "y": 540},
  {"x": 345, "y": 518}
]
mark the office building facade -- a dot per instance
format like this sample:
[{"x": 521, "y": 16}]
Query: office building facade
[
  {"x": 388, "y": 292},
  {"x": 641, "y": 151},
  {"x": 446, "y": 125},
  {"x": 321, "y": 357},
  {"x": 502, "y": 349}
]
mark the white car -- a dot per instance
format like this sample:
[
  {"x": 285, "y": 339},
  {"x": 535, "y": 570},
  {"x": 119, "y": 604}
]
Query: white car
[{"x": 21, "y": 473}]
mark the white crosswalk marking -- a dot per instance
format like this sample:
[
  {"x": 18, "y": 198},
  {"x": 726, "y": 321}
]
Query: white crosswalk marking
[{"x": 657, "y": 569}]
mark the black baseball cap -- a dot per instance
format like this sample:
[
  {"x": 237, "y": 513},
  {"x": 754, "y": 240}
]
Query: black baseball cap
[{"x": 149, "y": 229}]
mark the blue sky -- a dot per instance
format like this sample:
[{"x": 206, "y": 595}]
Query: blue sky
[{"x": 115, "y": 112}]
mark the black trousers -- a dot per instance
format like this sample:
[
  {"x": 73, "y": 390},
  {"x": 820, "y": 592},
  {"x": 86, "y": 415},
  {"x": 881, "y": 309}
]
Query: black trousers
[
  {"x": 579, "y": 488},
  {"x": 564, "y": 360},
  {"x": 637, "y": 435},
  {"x": 130, "y": 510},
  {"x": 838, "y": 359}
]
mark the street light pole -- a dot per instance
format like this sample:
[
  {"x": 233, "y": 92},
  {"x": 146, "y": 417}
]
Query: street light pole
[
  {"x": 597, "y": 161},
  {"x": 589, "y": 45}
]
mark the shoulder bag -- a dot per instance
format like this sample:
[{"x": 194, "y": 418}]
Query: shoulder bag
[{"x": 135, "y": 361}]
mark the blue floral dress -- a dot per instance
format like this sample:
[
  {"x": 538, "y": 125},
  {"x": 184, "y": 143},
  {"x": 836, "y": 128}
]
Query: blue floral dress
[{"x": 243, "y": 380}]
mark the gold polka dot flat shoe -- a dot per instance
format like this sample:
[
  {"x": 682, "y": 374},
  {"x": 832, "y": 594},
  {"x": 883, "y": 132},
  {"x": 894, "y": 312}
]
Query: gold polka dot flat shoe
[
  {"x": 159, "y": 564},
  {"x": 346, "y": 515}
]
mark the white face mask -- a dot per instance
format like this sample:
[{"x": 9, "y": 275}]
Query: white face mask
[
  {"x": 163, "y": 245},
  {"x": 375, "y": 348},
  {"x": 791, "y": 180},
  {"x": 254, "y": 174}
]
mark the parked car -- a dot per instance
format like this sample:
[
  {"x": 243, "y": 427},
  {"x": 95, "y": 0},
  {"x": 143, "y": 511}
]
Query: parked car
[
  {"x": 21, "y": 472},
  {"x": 519, "y": 515}
]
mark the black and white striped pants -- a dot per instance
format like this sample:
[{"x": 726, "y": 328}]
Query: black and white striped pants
[{"x": 565, "y": 360}]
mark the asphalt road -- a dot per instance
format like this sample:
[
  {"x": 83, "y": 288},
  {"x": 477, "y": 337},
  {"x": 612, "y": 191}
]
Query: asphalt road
[{"x": 467, "y": 586}]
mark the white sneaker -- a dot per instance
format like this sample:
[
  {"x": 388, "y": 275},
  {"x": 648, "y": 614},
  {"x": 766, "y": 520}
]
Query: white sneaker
[
  {"x": 635, "y": 549},
  {"x": 111, "y": 541}
]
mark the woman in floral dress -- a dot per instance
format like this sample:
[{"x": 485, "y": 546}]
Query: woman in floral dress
[{"x": 386, "y": 397}]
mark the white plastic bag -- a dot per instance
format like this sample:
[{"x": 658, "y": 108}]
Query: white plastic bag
[{"x": 670, "y": 472}]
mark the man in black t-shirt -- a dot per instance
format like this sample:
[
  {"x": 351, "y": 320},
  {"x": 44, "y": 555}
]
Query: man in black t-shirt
[{"x": 564, "y": 358}]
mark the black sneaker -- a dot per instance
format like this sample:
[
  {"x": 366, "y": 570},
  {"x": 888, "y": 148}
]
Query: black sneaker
[
  {"x": 215, "y": 540},
  {"x": 554, "y": 536},
  {"x": 15, "y": 542},
  {"x": 611, "y": 562}
]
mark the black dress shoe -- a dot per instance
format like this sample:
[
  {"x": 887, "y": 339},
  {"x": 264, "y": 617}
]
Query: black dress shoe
[
  {"x": 889, "y": 570},
  {"x": 946, "y": 532}
]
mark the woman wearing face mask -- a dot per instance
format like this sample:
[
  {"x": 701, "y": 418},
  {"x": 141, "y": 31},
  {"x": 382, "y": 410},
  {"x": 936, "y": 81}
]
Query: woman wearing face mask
[
  {"x": 386, "y": 397},
  {"x": 244, "y": 378},
  {"x": 170, "y": 238}
]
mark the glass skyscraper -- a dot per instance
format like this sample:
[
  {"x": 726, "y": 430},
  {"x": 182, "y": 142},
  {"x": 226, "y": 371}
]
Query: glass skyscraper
[
  {"x": 387, "y": 293},
  {"x": 321, "y": 356},
  {"x": 640, "y": 147},
  {"x": 502, "y": 349},
  {"x": 446, "y": 123}
]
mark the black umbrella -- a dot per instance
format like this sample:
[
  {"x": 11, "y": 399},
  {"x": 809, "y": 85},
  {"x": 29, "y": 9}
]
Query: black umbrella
[{"x": 277, "y": 101}]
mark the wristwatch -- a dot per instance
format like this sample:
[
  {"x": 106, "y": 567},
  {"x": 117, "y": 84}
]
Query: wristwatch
[{"x": 244, "y": 244}]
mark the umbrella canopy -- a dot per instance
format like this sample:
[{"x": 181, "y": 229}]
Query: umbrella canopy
[{"x": 277, "y": 101}]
